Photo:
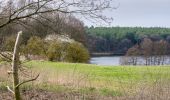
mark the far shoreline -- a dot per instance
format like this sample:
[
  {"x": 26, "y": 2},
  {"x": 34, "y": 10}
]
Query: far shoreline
[{"x": 101, "y": 54}]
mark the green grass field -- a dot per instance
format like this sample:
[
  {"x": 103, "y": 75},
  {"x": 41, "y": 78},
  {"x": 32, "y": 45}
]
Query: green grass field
[
  {"x": 87, "y": 78},
  {"x": 117, "y": 78}
]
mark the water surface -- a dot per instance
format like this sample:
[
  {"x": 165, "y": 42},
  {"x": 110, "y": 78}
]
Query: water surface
[
  {"x": 140, "y": 60},
  {"x": 111, "y": 60}
]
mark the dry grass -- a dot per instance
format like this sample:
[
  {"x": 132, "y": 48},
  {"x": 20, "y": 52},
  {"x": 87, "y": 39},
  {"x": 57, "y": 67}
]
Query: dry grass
[{"x": 89, "y": 82}]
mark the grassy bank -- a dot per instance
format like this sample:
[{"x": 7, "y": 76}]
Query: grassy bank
[{"x": 93, "y": 79}]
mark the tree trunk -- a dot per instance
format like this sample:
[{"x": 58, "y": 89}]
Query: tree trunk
[{"x": 15, "y": 65}]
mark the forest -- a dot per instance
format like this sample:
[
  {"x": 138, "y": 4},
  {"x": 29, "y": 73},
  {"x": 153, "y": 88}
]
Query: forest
[
  {"x": 119, "y": 39},
  {"x": 115, "y": 40}
]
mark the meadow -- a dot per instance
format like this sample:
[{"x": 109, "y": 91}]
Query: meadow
[{"x": 121, "y": 82}]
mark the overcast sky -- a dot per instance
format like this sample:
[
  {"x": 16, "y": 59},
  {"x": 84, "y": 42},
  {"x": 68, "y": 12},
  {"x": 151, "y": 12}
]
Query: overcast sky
[{"x": 145, "y": 13}]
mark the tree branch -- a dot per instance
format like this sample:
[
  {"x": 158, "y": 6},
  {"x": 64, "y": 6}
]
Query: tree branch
[
  {"x": 89, "y": 8},
  {"x": 9, "y": 89},
  {"x": 27, "y": 81}
]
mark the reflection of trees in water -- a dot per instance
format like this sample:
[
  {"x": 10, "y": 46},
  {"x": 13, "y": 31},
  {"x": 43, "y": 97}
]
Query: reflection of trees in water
[
  {"x": 148, "y": 52},
  {"x": 141, "y": 60}
]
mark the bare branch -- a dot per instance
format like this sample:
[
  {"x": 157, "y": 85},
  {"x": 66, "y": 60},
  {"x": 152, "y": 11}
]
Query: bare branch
[
  {"x": 27, "y": 81},
  {"x": 5, "y": 57},
  {"x": 9, "y": 89},
  {"x": 89, "y": 8}
]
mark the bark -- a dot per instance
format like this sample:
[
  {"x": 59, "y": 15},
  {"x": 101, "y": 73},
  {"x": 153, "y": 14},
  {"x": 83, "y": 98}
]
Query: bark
[{"x": 15, "y": 65}]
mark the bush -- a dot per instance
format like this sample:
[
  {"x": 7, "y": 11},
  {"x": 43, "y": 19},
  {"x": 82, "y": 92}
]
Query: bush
[
  {"x": 35, "y": 46},
  {"x": 69, "y": 52},
  {"x": 76, "y": 52},
  {"x": 54, "y": 52}
]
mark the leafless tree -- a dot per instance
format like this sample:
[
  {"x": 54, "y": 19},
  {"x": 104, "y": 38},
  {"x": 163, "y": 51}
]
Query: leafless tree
[
  {"x": 15, "y": 11},
  {"x": 153, "y": 52},
  {"x": 160, "y": 52},
  {"x": 15, "y": 68},
  {"x": 19, "y": 11},
  {"x": 133, "y": 53},
  {"x": 147, "y": 50}
]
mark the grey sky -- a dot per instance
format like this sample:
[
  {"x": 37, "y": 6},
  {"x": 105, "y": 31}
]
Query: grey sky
[{"x": 145, "y": 13}]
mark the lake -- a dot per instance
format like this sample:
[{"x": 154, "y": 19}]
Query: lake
[
  {"x": 117, "y": 60},
  {"x": 106, "y": 60}
]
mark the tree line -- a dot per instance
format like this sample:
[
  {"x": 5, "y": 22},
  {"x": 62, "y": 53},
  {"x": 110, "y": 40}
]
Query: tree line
[
  {"x": 120, "y": 39},
  {"x": 148, "y": 52},
  {"x": 46, "y": 24}
]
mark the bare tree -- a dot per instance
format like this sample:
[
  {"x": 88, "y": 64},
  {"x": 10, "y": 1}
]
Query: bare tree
[
  {"x": 15, "y": 65},
  {"x": 147, "y": 50},
  {"x": 160, "y": 51},
  {"x": 15, "y": 11},
  {"x": 153, "y": 52},
  {"x": 19, "y": 11},
  {"x": 133, "y": 53},
  {"x": 15, "y": 68}
]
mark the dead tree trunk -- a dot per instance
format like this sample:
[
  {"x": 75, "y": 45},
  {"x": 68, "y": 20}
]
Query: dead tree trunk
[{"x": 15, "y": 65}]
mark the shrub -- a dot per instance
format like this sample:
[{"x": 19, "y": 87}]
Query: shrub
[
  {"x": 69, "y": 52},
  {"x": 35, "y": 46},
  {"x": 57, "y": 50},
  {"x": 76, "y": 52},
  {"x": 54, "y": 51}
]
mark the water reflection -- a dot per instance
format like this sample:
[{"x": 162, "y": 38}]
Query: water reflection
[{"x": 122, "y": 60}]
